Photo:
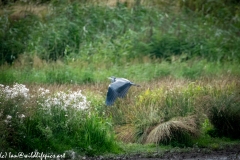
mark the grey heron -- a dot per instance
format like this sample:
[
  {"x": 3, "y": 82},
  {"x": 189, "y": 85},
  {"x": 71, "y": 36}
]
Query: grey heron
[{"x": 118, "y": 88}]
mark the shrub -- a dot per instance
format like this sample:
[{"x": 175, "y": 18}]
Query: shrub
[
  {"x": 14, "y": 35},
  {"x": 224, "y": 114}
]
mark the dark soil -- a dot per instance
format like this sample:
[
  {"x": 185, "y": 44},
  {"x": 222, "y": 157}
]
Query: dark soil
[{"x": 227, "y": 153}]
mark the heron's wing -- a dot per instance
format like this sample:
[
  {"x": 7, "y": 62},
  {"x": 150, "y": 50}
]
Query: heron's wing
[
  {"x": 122, "y": 91},
  {"x": 111, "y": 96}
]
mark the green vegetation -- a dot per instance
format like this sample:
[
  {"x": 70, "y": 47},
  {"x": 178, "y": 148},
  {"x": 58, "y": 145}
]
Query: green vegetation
[
  {"x": 184, "y": 54},
  {"x": 79, "y": 72},
  {"x": 224, "y": 115},
  {"x": 52, "y": 122},
  {"x": 179, "y": 114}
]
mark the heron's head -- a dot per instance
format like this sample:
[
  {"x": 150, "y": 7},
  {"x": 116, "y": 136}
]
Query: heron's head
[{"x": 112, "y": 78}]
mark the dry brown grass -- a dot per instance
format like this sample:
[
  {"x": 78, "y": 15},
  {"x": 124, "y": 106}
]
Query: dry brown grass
[
  {"x": 125, "y": 133},
  {"x": 166, "y": 130},
  {"x": 167, "y": 83},
  {"x": 20, "y": 11},
  {"x": 113, "y": 3}
]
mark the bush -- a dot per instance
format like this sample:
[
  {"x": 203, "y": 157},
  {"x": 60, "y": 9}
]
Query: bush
[
  {"x": 224, "y": 114},
  {"x": 14, "y": 35}
]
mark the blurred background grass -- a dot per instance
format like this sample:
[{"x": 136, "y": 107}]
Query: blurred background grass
[{"x": 86, "y": 41}]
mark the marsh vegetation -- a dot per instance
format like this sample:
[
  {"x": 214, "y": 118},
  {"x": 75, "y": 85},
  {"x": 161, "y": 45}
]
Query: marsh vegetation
[{"x": 56, "y": 56}]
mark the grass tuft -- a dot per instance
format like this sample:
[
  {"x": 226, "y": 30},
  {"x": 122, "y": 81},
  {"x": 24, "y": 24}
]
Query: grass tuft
[{"x": 173, "y": 129}]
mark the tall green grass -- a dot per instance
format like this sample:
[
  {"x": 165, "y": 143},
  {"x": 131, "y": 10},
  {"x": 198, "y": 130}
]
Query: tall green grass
[
  {"x": 112, "y": 34},
  {"x": 80, "y": 72}
]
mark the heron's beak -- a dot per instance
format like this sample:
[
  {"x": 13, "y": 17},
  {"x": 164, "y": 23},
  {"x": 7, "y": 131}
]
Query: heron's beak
[{"x": 109, "y": 78}]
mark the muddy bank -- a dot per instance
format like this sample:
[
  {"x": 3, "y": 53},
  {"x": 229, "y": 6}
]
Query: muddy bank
[{"x": 227, "y": 153}]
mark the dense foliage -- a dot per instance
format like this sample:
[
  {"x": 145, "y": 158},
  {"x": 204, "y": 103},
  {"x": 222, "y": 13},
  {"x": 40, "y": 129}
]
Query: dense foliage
[{"x": 74, "y": 30}]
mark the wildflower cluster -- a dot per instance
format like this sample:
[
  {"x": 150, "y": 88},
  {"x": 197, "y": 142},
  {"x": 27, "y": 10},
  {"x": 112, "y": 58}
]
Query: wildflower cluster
[
  {"x": 64, "y": 99},
  {"x": 15, "y": 91}
]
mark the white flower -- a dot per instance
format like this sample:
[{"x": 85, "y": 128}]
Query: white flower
[
  {"x": 21, "y": 116},
  {"x": 6, "y": 121},
  {"x": 16, "y": 90},
  {"x": 64, "y": 100},
  {"x": 9, "y": 117},
  {"x": 1, "y": 85}
]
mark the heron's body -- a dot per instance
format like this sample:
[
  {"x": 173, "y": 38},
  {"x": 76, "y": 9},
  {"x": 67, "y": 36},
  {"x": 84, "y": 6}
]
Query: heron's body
[{"x": 118, "y": 88}]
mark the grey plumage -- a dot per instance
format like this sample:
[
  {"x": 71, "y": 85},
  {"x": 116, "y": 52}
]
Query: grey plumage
[{"x": 118, "y": 88}]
